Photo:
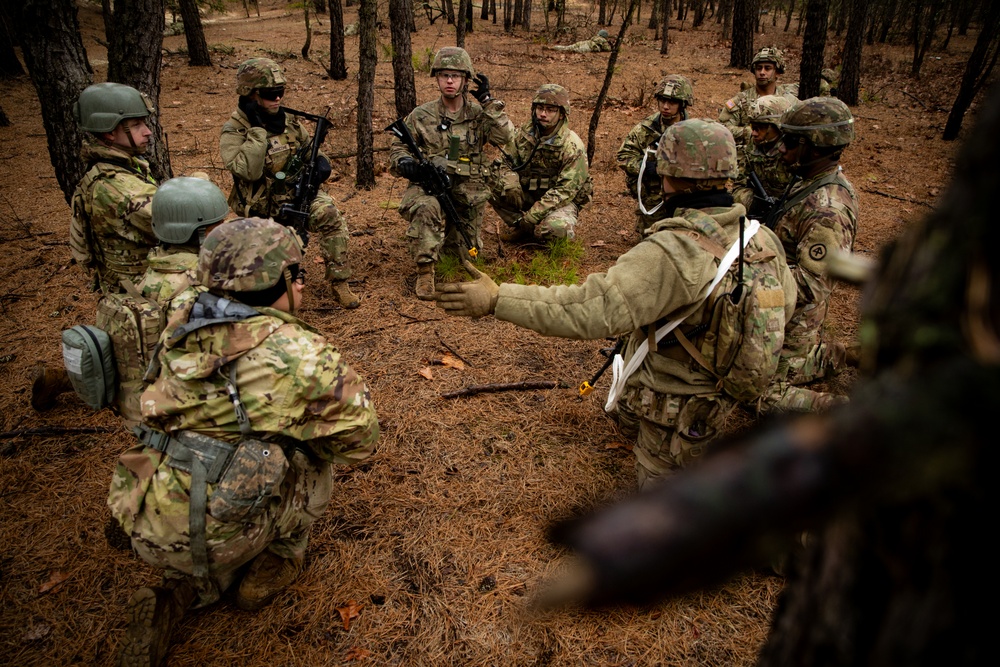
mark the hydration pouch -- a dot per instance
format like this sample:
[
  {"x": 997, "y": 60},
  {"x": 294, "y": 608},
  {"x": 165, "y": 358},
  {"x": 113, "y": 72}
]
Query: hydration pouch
[{"x": 89, "y": 357}]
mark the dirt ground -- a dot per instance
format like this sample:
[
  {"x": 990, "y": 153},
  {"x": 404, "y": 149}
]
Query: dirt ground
[{"x": 440, "y": 538}]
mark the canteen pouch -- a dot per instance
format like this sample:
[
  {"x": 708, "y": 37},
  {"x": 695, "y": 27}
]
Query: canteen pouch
[{"x": 253, "y": 475}]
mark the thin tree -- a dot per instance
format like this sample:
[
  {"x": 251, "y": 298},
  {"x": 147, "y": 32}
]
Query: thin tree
[
  {"x": 788, "y": 16},
  {"x": 850, "y": 75},
  {"x": 309, "y": 35},
  {"x": 198, "y": 55},
  {"x": 319, "y": 6},
  {"x": 925, "y": 20},
  {"x": 134, "y": 58},
  {"x": 402, "y": 58},
  {"x": 813, "y": 46},
  {"x": 338, "y": 64},
  {"x": 665, "y": 17},
  {"x": 977, "y": 70},
  {"x": 460, "y": 25},
  {"x": 595, "y": 118},
  {"x": 10, "y": 66},
  {"x": 57, "y": 64},
  {"x": 741, "y": 51},
  {"x": 367, "y": 60}
]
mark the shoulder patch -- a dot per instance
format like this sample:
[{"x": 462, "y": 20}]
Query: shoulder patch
[
  {"x": 817, "y": 252},
  {"x": 731, "y": 104}
]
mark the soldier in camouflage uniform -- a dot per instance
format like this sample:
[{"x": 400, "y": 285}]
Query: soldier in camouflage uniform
[
  {"x": 766, "y": 66},
  {"x": 544, "y": 181},
  {"x": 451, "y": 132},
  {"x": 762, "y": 157},
  {"x": 673, "y": 95},
  {"x": 668, "y": 275},
  {"x": 596, "y": 44},
  {"x": 111, "y": 231},
  {"x": 250, "y": 410},
  {"x": 258, "y": 143},
  {"x": 819, "y": 217}
]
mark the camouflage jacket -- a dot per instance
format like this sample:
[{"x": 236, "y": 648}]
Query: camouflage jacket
[
  {"x": 557, "y": 174},
  {"x": 644, "y": 135},
  {"x": 254, "y": 157},
  {"x": 472, "y": 126},
  {"x": 595, "y": 44},
  {"x": 770, "y": 169},
  {"x": 735, "y": 112},
  {"x": 826, "y": 219},
  {"x": 112, "y": 228},
  {"x": 665, "y": 276},
  {"x": 169, "y": 272}
]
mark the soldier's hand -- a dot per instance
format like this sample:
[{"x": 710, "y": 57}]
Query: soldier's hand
[
  {"x": 408, "y": 168},
  {"x": 514, "y": 197},
  {"x": 252, "y": 111},
  {"x": 473, "y": 299},
  {"x": 482, "y": 91}
]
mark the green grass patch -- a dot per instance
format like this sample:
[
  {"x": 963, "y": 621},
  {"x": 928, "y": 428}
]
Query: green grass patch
[{"x": 557, "y": 264}]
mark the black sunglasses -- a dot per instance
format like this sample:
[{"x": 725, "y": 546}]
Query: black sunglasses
[
  {"x": 791, "y": 140},
  {"x": 271, "y": 94},
  {"x": 297, "y": 273}
]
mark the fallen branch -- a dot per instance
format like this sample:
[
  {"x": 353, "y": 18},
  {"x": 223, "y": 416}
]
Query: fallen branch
[
  {"x": 52, "y": 430},
  {"x": 452, "y": 350},
  {"x": 494, "y": 388},
  {"x": 898, "y": 198},
  {"x": 397, "y": 324}
]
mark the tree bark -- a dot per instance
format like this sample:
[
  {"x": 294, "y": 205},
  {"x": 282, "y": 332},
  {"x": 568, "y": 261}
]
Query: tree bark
[
  {"x": 402, "y": 58},
  {"x": 741, "y": 51},
  {"x": 194, "y": 33},
  {"x": 788, "y": 16},
  {"x": 460, "y": 24},
  {"x": 813, "y": 47},
  {"x": 665, "y": 17},
  {"x": 850, "y": 75},
  {"x": 134, "y": 58},
  {"x": 319, "y": 6},
  {"x": 977, "y": 70},
  {"x": 338, "y": 63},
  {"x": 924, "y": 25},
  {"x": 10, "y": 66},
  {"x": 57, "y": 64},
  {"x": 4, "y": 121},
  {"x": 367, "y": 60},
  {"x": 595, "y": 118}
]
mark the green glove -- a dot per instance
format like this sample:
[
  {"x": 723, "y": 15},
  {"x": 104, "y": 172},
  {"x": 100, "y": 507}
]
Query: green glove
[{"x": 473, "y": 299}]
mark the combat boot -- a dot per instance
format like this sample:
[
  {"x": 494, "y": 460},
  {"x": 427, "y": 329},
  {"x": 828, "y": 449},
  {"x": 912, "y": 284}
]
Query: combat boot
[
  {"x": 343, "y": 294},
  {"x": 425, "y": 281},
  {"x": 852, "y": 355},
  {"x": 47, "y": 385},
  {"x": 154, "y": 613},
  {"x": 269, "y": 574}
]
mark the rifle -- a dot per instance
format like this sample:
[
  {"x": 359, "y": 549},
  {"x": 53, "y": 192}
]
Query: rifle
[
  {"x": 295, "y": 214},
  {"x": 434, "y": 182},
  {"x": 760, "y": 195},
  {"x": 586, "y": 387},
  {"x": 778, "y": 207}
]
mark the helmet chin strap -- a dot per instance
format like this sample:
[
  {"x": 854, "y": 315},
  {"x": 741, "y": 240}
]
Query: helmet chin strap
[{"x": 290, "y": 290}]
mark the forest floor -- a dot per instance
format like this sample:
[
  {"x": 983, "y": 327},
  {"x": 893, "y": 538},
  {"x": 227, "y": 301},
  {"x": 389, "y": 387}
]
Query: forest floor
[{"x": 439, "y": 541}]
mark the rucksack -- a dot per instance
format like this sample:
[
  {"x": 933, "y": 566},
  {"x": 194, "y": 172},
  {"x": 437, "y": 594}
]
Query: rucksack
[
  {"x": 746, "y": 329},
  {"x": 90, "y": 363}
]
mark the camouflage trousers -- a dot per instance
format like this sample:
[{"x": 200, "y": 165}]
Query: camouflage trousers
[
  {"x": 330, "y": 228},
  {"x": 559, "y": 223},
  {"x": 160, "y": 534},
  {"x": 798, "y": 367},
  {"x": 672, "y": 431},
  {"x": 429, "y": 233}
]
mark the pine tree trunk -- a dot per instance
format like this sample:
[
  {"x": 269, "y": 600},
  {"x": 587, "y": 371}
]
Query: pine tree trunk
[
  {"x": 665, "y": 14},
  {"x": 402, "y": 58},
  {"x": 134, "y": 58},
  {"x": 977, "y": 70},
  {"x": 367, "y": 60},
  {"x": 10, "y": 66},
  {"x": 850, "y": 76},
  {"x": 460, "y": 24},
  {"x": 741, "y": 52},
  {"x": 338, "y": 63},
  {"x": 194, "y": 33},
  {"x": 595, "y": 118},
  {"x": 813, "y": 46},
  {"x": 788, "y": 16},
  {"x": 57, "y": 64}
]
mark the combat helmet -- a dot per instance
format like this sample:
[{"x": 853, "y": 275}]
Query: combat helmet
[
  {"x": 697, "y": 149},
  {"x": 183, "y": 205},
  {"x": 824, "y": 121},
  {"x": 770, "y": 54},
  {"x": 247, "y": 255},
  {"x": 675, "y": 87},
  {"x": 103, "y": 105},
  {"x": 554, "y": 95},
  {"x": 453, "y": 58},
  {"x": 768, "y": 109},
  {"x": 258, "y": 73},
  {"x": 602, "y": 33}
]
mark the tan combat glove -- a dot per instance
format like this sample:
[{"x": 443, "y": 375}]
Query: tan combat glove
[{"x": 473, "y": 299}]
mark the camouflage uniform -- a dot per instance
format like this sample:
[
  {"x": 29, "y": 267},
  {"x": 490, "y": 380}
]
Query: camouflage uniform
[
  {"x": 298, "y": 393},
  {"x": 824, "y": 221},
  {"x": 735, "y": 113},
  {"x": 556, "y": 183},
  {"x": 432, "y": 128},
  {"x": 762, "y": 159},
  {"x": 677, "y": 403},
  {"x": 596, "y": 44},
  {"x": 254, "y": 155},
  {"x": 111, "y": 233}
]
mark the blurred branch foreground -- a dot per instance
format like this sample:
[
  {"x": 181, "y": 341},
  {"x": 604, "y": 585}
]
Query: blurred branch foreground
[{"x": 893, "y": 487}]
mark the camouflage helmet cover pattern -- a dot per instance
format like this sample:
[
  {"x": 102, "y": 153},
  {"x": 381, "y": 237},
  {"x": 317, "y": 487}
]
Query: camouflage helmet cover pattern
[
  {"x": 768, "y": 109},
  {"x": 183, "y": 205},
  {"x": 675, "y": 87},
  {"x": 770, "y": 54},
  {"x": 697, "y": 149},
  {"x": 454, "y": 58},
  {"x": 247, "y": 255},
  {"x": 824, "y": 121},
  {"x": 258, "y": 73},
  {"x": 554, "y": 95},
  {"x": 102, "y": 106}
]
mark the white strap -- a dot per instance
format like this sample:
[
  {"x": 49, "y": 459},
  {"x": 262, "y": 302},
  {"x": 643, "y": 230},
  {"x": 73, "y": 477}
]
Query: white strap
[
  {"x": 638, "y": 186},
  {"x": 620, "y": 373}
]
